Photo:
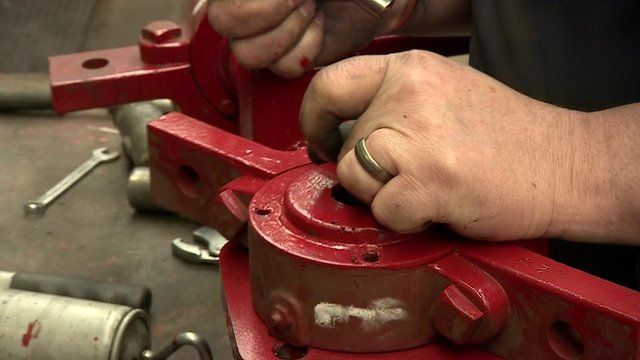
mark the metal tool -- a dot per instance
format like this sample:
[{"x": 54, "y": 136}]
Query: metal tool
[
  {"x": 98, "y": 156},
  {"x": 139, "y": 191},
  {"x": 25, "y": 92},
  {"x": 196, "y": 254},
  {"x": 374, "y": 7},
  {"x": 135, "y": 296},
  {"x": 183, "y": 339},
  {"x": 131, "y": 121},
  {"x": 36, "y": 326}
]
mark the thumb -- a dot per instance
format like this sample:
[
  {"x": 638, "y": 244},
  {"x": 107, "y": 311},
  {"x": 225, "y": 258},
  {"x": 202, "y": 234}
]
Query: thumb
[{"x": 342, "y": 91}]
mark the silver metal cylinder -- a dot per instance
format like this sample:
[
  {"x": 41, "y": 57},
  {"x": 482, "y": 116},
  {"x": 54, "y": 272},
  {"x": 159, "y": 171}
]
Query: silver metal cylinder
[
  {"x": 25, "y": 92},
  {"x": 374, "y": 7},
  {"x": 139, "y": 190},
  {"x": 35, "y": 326}
]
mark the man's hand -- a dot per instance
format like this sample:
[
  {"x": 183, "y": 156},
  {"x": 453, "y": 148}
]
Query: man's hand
[
  {"x": 465, "y": 150},
  {"x": 290, "y": 36}
]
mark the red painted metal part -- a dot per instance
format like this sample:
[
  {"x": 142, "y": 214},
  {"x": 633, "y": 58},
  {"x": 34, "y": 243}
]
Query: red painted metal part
[
  {"x": 324, "y": 274},
  {"x": 251, "y": 340},
  {"x": 191, "y": 65}
]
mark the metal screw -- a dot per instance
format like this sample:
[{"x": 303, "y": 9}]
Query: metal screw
[
  {"x": 160, "y": 32},
  {"x": 279, "y": 318},
  {"x": 455, "y": 316}
]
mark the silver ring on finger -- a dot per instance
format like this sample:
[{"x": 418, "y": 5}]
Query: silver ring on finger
[{"x": 369, "y": 164}]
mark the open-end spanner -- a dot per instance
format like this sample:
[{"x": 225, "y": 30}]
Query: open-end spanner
[
  {"x": 98, "y": 156},
  {"x": 210, "y": 239}
]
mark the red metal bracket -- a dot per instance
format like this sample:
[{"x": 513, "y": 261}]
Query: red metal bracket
[
  {"x": 322, "y": 268},
  {"x": 322, "y": 272}
]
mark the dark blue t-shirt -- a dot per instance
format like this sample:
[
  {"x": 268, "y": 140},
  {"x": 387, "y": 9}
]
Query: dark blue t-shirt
[{"x": 578, "y": 54}]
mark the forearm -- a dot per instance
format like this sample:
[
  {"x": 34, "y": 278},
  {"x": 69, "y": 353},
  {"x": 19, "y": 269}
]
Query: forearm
[
  {"x": 439, "y": 18},
  {"x": 602, "y": 193}
]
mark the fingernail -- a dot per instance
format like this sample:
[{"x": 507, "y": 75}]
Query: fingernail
[{"x": 307, "y": 8}]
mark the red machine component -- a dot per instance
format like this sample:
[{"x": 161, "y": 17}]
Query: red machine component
[
  {"x": 324, "y": 274},
  {"x": 191, "y": 65},
  {"x": 321, "y": 274}
]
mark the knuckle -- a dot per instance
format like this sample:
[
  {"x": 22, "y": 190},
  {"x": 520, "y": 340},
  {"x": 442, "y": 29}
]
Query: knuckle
[
  {"x": 414, "y": 57},
  {"x": 219, "y": 18},
  {"x": 247, "y": 55},
  {"x": 381, "y": 211},
  {"x": 320, "y": 84}
]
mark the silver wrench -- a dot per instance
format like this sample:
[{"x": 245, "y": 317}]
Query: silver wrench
[
  {"x": 98, "y": 156},
  {"x": 210, "y": 239}
]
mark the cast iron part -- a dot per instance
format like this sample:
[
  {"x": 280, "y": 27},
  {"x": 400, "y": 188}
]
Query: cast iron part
[
  {"x": 324, "y": 274},
  {"x": 535, "y": 307},
  {"x": 192, "y": 66}
]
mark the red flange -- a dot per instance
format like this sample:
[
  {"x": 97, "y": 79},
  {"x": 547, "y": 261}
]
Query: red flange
[{"x": 324, "y": 274}]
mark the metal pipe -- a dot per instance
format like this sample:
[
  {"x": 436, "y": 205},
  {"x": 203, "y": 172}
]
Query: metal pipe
[
  {"x": 25, "y": 92},
  {"x": 374, "y": 7},
  {"x": 139, "y": 191}
]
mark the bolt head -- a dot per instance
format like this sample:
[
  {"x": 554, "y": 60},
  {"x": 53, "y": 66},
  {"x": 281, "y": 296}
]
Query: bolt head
[
  {"x": 455, "y": 316},
  {"x": 279, "y": 318},
  {"x": 160, "y": 32}
]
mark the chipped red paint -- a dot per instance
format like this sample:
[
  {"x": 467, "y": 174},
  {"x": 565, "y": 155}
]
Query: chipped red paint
[{"x": 33, "y": 328}]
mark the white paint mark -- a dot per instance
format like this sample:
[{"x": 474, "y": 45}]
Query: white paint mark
[{"x": 371, "y": 318}]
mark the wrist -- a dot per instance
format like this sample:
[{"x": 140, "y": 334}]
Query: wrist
[{"x": 582, "y": 196}]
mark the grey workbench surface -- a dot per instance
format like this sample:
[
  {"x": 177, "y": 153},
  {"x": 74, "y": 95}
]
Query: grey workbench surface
[{"x": 91, "y": 231}]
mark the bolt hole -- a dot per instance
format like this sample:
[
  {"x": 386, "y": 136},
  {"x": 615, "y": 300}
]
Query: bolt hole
[
  {"x": 289, "y": 352},
  {"x": 342, "y": 196},
  {"x": 371, "y": 257},
  {"x": 95, "y": 63},
  {"x": 565, "y": 341},
  {"x": 189, "y": 182},
  {"x": 263, "y": 212}
]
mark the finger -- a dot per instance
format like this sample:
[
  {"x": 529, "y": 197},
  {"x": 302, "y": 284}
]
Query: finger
[
  {"x": 404, "y": 205},
  {"x": 342, "y": 91},
  {"x": 386, "y": 146},
  {"x": 245, "y": 18},
  {"x": 263, "y": 50},
  {"x": 356, "y": 180},
  {"x": 304, "y": 53},
  {"x": 369, "y": 122}
]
